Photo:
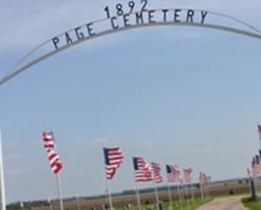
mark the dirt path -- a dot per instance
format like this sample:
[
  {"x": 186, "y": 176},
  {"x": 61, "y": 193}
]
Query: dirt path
[{"x": 228, "y": 203}]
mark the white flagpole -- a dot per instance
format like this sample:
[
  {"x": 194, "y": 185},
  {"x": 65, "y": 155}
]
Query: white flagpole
[
  {"x": 59, "y": 189},
  {"x": 186, "y": 194},
  {"x": 192, "y": 192},
  {"x": 2, "y": 180},
  {"x": 179, "y": 194},
  {"x": 156, "y": 195},
  {"x": 138, "y": 196},
  {"x": 136, "y": 188},
  {"x": 109, "y": 194},
  {"x": 207, "y": 189},
  {"x": 201, "y": 190},
  {"x": 78, "y": 202},
  {"x": 170, "y": 197},
  {"x": 182, "y": 191}
]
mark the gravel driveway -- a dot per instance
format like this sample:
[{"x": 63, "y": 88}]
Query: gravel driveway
[{"x": 227, "y": 203}]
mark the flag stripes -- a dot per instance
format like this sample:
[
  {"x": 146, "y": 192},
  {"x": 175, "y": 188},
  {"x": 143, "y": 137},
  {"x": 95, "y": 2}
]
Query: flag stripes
[
  {"x": 113, "y": 158},
  {"x": 203, "y": 178},
  {"x": 48, "y": 140},
  {"x": 156, "y": 172},
  {"x": 53, "y": 158},
  {"x": 173, "y": 173},
  {"x": 170, "y": 174},
  {"x": 187, "y": 175},
  {"x": 142, "y": 170}
]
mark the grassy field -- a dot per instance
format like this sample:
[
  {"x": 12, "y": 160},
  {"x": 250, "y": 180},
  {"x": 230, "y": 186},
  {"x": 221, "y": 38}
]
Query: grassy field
[
  {"x": 191, "y": 205},
  {"x": 250, "y": 204}
]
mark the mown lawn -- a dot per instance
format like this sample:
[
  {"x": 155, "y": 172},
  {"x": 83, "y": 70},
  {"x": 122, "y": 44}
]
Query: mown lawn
[
  {"x": 184, "y": 205},
  {"x": 250, "y": 204}
]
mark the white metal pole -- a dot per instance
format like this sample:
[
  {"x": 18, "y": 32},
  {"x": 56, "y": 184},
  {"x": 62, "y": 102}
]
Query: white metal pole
[
  {"x": 109, "y": 194},
  {"x": 179, "y": 195},
  {"x": 156, "y": 195},
  {"x": 170, "y": 197},
  {"x": 78, "y": 202},
  {"x": 59, "y": 189},
  {"x": 2, "y": 180},
  {"x": 192, "y": 192},
  {"x": 186, "y": 194},
  {"x": 207, "y": 189},
  {"x": 138, "y": 196},
  {"x": 201, "y": 191}
]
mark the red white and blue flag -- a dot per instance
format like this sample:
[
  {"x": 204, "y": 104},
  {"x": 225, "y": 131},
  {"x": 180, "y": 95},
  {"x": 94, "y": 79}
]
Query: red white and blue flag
[
  {"x": 170, "y": 174},
  {"x": 113, "y": 158},
  {"x": 256, "y": 166},
  {"x": 155, "y": 168},
  {"x": 203, "y": 178},
  {"x": 173, "y": 173},
  {"x": 142, "y": 170},
  {"x": 54, "y": 160},
  {"x": 187, "y": 175}
]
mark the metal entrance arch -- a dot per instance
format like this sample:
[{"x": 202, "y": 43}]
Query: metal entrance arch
[{"x": 140, "y": 19}]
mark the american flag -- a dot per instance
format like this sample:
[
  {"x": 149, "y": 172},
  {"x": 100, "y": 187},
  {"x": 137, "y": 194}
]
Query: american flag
[
  {"x": 173, "y": 173},
  {"x": 177, "y": 171},
  {"x": 257, "y": 165},
  {"x": 187, "y": 175},
  {"x": 170, "y": 174},
  {"x": 155, "y": 167},
  {"x": 54, "y": 160},
  {"x": 204, "y": 179},
  {"x": 259, "y": 131},
  {"x": 142, "y": 170},
  {"x": 113, "y": 158}
]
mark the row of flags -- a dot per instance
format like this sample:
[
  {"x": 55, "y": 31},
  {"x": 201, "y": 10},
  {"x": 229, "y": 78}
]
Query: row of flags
[
  {"x": 113, "y": 157},
  {"x": 148, "y": 171},
  {"x": 256, "y": 159},
  {"x": 144, "y": 171}
]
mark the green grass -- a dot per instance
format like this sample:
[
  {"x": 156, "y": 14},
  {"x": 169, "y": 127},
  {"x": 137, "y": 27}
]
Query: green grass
[
  {"x": 250, "y": 204},
  {"x": 176, "y": 205}
]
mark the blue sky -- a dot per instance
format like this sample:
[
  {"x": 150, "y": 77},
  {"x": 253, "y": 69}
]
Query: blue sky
[{"x": 172, "y": 95}]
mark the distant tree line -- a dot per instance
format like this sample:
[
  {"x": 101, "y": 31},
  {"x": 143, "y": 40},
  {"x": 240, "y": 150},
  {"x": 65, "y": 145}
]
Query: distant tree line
[{"x": 26, "y": 205}]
